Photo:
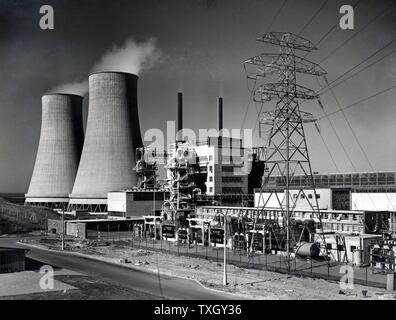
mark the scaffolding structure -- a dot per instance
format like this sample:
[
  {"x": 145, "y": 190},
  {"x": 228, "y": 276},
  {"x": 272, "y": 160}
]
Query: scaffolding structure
[
  {"x": 146, "y": 168},
  {"x": 285, "y": 152},
  {"x": 182, "y": 166}
]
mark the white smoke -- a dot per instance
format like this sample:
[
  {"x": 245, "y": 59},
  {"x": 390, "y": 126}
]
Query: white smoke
[
  {"x": 132, "y": 57},
  {"x": 79, "y": 88}
]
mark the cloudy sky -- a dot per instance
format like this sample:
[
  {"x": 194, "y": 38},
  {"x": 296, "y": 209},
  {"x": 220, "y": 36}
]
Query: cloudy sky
[{"x": 203, "y": 44}]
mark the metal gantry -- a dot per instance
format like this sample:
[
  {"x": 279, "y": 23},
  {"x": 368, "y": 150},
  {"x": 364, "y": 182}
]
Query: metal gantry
[
  {"x": 182, "y": 166},
  {"x": 285, "y": 152}
]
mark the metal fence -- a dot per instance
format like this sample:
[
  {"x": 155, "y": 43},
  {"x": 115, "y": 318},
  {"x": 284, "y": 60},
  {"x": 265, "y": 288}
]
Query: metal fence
[{"x": 331, "y": 271}]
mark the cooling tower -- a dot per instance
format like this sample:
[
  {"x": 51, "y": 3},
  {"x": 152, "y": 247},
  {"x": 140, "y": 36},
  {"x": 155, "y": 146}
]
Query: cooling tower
[
  {"x": 59, "y": 150},
  {"x": 111, "y": 137}
]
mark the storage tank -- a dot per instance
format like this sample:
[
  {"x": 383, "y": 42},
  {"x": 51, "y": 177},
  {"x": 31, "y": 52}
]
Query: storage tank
[
  {"x": 59, "y": 150},
  {"x": 308, "y": 250},
  {"x": 112, "y": 135}
]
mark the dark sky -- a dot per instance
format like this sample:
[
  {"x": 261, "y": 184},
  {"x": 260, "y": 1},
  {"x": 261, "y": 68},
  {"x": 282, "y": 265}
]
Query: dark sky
[{"x": 204, "y": 44}]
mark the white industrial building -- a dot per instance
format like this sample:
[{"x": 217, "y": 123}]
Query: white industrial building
[
  {"x": 132, "y": 203},
  {"x": 225, "y": 162}
]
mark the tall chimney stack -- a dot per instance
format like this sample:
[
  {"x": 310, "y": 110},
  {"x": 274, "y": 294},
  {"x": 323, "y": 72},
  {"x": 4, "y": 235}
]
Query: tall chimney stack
[
  {"x": 220, "y": 115},
  {"x": 179, "y": 115}
]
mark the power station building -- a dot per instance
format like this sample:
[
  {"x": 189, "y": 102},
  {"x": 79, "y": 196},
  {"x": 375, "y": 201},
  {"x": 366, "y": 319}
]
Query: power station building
[
  {"x": 59, "y": 151},
  {"x": 374, "y": 191},
  {"x": 112, "y": 135}
]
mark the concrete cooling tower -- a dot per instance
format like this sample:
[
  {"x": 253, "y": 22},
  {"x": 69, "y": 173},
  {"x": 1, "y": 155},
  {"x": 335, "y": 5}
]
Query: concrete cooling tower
[
  {"x": 59, "y": 150},
  {"x": 112, "y": 135}
]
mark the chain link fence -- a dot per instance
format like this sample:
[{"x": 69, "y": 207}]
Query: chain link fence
[{"x": 331, "y": 271}]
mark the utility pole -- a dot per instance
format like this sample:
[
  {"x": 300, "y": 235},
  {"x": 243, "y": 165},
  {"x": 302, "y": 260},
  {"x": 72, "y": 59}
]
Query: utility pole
[
  {"x": 63, "y": 227},
  {"x": 225, "y": 252}
]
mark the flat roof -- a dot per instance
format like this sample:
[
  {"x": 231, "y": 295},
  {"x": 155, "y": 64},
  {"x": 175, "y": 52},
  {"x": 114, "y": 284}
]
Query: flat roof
[{"x": 104, "y": 220}]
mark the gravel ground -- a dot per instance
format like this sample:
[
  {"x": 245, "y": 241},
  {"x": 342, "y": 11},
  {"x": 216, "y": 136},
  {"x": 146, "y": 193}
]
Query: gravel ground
[{"x": 249, "y": 283}]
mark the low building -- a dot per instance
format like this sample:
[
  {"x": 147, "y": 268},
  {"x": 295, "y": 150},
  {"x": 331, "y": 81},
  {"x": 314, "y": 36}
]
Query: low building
[
  {"x": 348, "y": 191},
  {"x": 350, "y": 248},
  {"x": 135, "y": 203},
  {"x": 102, "y": 229}
]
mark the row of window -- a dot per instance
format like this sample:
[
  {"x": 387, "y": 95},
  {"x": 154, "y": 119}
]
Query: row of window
[
  {"x": 231, "y": 179},
  {"x": 302, "y": 196},
  {"x": 340, "y": 180}
]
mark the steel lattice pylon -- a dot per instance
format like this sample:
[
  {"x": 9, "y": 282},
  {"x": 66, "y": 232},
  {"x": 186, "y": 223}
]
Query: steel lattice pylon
[{"x": 285, "y": 152}]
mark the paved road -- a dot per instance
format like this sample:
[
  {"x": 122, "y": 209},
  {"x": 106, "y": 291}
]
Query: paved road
[{"x": 162, "y": 286}]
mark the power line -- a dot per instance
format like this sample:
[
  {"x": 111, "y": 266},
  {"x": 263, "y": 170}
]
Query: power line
[
  {"x": 357, "y": 140},
  {"x": 330, "y": 30},
  {"x": 329, "y": 152},
  {"x": 276, "y": 15},
  {"x": 354, "y": 34},
  {"x": 359, "y": 64},
  {"x": 313, "y": 17},
  {"x": 356, "y": 73},
  {"x": 358, "y": 102}
]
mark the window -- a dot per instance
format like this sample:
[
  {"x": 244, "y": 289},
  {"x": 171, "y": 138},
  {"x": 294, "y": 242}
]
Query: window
[
  {"x": 295, "y": 196},
  {"x": 211, "y": 169},
  {"x": 329, "y": 246},
  {"x": 353, "y": 248},
  {"x": 317, "y": 196},
  {"x": 211, "y": 189},
  {"x": 302, "y": 196},
  {"x": 210, "y": 178},
  {"x": 310, "y": 196},
  {"x": 210, "y": 158}
]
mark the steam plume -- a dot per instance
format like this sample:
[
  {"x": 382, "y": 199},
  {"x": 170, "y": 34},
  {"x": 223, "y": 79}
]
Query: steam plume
[
  {"x": 132, "y": 57},
  {"x": 80, "y": 88}
]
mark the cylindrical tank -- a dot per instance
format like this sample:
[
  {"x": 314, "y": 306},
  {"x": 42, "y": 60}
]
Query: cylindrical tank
[
  {"x": 59, "y": 149},
  {"x": 112, "y": 135},
  {"x": 307, "y": 250}
]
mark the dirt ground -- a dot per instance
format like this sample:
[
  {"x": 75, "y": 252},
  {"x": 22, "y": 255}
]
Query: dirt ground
[{"x": 247, "y": 283}]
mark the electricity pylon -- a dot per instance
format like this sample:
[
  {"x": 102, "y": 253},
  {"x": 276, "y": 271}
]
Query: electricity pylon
[{"x": 286, "y": 151}]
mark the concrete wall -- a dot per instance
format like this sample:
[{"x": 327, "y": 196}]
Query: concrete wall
[
  {"x": 76, "y": 229},
  {"x": 55, "y": 226},
  {"x": 373, "y": 201},
  {"x": 324, "y": 200},
  {"x": 126, "y": 203},
  {"x": 116, "y": 201}
]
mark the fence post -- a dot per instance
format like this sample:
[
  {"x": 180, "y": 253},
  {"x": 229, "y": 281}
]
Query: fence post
[
  {"x": 311, "y": 267},
  {"x": 328, "y": 271},
  {"x": 266, "y": 258},
  {"x": 217, "y": 254},
  {"x": 366, "y": 276}
]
